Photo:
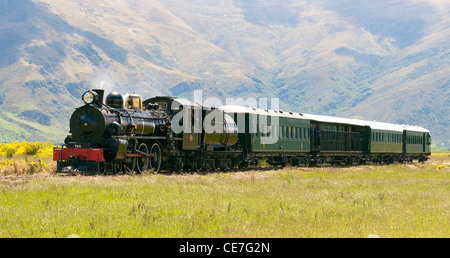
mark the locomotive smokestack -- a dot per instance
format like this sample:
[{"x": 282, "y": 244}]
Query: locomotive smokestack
[{"x": 100, "y": 93}]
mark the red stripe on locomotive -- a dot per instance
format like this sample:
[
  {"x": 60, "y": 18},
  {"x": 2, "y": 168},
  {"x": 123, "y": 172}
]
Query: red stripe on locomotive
[{"x": 82, "y": 154}]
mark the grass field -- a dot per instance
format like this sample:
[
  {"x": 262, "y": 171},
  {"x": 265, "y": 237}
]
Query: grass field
[{"x": 400, "y": 200}]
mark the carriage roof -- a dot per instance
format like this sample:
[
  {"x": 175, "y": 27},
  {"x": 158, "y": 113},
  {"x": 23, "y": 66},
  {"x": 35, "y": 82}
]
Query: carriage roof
[{"x": 374, "y": 125}]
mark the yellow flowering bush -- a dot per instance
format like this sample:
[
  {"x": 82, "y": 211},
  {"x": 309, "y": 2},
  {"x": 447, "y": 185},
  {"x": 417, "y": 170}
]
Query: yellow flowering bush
[
  {"x": 2, "y": 151},
  {"x": 40, "y": 149}
]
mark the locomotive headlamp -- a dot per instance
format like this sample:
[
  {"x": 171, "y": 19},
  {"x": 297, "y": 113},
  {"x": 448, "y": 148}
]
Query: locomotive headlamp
[{"x": 90, "y": 97}]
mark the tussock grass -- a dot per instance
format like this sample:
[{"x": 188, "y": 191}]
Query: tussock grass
[
  {"x": 20, "y": 168},
  {"x": 410, "y": 200}
]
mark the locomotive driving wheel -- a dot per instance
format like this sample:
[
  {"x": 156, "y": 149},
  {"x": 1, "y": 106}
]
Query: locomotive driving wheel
[
  {"x": 118, "y": 166},
  {"x": 129, "y": 165},
  {"x": 155, "y": 158},
  {"x": 144, "y": 161}
]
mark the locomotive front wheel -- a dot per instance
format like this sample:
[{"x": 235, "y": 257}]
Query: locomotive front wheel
[
  {"x": 155, "y": 158},
  {"x": 101, "y": 168},
  {"x": 143, "y": 162}
]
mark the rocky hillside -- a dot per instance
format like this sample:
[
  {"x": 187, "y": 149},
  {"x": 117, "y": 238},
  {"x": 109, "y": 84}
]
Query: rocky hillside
[{"x": 385, "y": 60}]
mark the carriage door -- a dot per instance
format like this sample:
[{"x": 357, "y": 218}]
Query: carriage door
[
  {"x": 366, "y": 135},
  {"x": 191, "y": 140}
]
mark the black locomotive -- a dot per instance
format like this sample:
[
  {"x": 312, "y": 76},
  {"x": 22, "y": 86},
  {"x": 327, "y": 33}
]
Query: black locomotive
[
  {"x": 116, "y": 136},
  {"x": 126, "y": 134}
]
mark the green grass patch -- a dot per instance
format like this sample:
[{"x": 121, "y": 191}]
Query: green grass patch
[{"x": 390, "y": 201}]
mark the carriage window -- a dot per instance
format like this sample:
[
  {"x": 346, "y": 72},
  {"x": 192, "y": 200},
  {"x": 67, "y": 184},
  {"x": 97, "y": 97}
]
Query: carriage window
[{"x": 265, "y": 131}]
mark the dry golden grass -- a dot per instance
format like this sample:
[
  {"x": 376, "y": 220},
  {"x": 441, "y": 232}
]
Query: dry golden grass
[{"x": 20, "y": 168}]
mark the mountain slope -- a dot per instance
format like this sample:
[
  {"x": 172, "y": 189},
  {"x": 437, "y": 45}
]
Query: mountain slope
[{"x": 381, "y": 60}]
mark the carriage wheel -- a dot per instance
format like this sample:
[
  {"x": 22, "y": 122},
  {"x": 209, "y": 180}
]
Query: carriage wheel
[
  {"x": 155, "y": 158},
  {"x": 216, "y": 166},
  {"x": 197, "y": 166},
  {"x": 143, "y": 162}
]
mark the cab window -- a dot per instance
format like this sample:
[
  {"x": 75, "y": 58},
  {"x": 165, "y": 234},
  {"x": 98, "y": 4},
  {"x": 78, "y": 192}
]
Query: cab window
[{"x": 162, "y": 105}]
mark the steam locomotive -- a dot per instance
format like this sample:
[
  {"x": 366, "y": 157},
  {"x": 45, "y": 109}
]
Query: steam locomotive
[{"x": 126, "y": 134}]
